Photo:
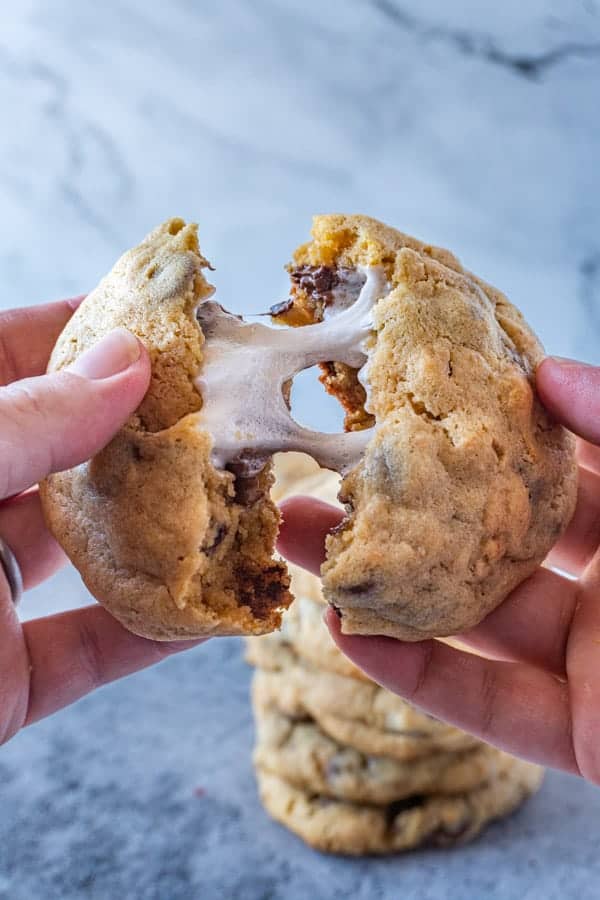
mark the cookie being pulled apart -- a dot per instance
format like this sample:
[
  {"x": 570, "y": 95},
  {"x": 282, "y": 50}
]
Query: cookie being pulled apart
[
  {"x": 465, "y": 482},
  {"x": 456, "y": 482},
  {"x": 173, "y": 547}
]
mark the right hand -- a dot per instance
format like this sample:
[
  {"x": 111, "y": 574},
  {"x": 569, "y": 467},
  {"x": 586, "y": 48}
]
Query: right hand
[{"x": 536, "y": 693}]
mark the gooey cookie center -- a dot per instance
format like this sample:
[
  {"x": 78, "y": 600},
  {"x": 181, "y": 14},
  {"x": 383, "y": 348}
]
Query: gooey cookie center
[{"x": 246, "y": 369}]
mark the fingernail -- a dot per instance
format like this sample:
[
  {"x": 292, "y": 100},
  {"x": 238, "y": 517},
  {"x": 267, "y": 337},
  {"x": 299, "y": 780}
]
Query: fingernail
[{"x": 111, "y": 355}]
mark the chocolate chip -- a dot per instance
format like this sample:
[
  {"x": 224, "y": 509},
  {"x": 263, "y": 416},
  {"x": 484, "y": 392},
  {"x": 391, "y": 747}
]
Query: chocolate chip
[
  {"x": 318, "y": 281},
  {"x": 247, "y": 469},
  {"x": 399, "y": 806},
  {"x": 247, "y": 491},
  {"x": 247, "y": 466},
  {"x": 279, "y": 308},
  {"x": 262, "y": 589},
  {"x": 445, "y": 836},
  {"x": 363, "y": 587},
  {"x": 218, "y": 538},
  {"x": 335, "y": 767}
]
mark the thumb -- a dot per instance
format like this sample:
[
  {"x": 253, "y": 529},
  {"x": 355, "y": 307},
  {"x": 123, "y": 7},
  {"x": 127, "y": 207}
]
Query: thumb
[
  {"x": 56, "y": 421},
  {"x": 305, "y": 524},
  {"x": 570, "y": 390}
]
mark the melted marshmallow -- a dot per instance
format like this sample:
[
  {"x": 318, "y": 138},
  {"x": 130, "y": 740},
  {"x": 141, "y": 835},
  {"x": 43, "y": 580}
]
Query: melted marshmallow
[{"x": 246, "y": 367}]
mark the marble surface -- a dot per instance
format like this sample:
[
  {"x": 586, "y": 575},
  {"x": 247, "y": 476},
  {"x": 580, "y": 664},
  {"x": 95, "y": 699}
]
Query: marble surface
[
  {"x": 145, "y": 790},
  {"x": 473, "y": 126}
]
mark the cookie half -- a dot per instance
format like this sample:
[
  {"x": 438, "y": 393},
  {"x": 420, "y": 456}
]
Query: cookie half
[
  {"x": 465, "y": 482},
  {"x": 335, "y": 826},
  {"x": 172, "y": 546}
]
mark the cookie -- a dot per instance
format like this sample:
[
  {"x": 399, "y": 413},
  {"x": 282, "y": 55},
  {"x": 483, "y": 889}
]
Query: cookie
[
  {"x": 272, "y": 652},
  {"x": 465, "y": 482},
  {"x": 335, "y": 826},
  {"x": 273, "y": 691},
  {"x": 325, "y": 693},
  {"x": 302, "y": 754},
  {"x": 304, "y": 628},
  {"x": 377, "y": 742},
  {"x": 303, "y": 633},
  {"x": 171, "y": 545}
]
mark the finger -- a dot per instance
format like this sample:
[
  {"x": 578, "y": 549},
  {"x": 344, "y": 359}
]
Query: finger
[
  {"x": 305, "y": 525},
  {"x": 28, "y": 335},
  {"x": 14, "y": 666},
  {"x": 56, "y": 421},
  {"x": 588, "y": 456},
  {"x": 23, "y": 528},
  {"x": 583, "y": 669},
  {"x": 580, "y": 541},
  {"x": 531, "y": 625},
  {"x": 75, "y": 652},
  {"x": 570, "y": 390},
  {"x": 513, "y": 706}
]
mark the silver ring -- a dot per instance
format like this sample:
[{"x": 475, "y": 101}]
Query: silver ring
[{"x": 12, "y": 572}]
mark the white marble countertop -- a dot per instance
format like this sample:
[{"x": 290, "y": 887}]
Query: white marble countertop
[{"x": 471, "y": 125}]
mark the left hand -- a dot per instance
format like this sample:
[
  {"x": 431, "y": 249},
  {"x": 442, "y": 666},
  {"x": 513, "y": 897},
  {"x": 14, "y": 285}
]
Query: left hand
[{"x": 49, "y": 423}]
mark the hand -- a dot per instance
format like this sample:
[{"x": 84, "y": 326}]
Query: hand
[
  {"x": 535, "y": 691},
  {"x": 49, "y": 423}
]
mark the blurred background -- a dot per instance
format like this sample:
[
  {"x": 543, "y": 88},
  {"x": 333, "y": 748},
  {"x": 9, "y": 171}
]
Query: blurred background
[{"x": 472, "y": 126}]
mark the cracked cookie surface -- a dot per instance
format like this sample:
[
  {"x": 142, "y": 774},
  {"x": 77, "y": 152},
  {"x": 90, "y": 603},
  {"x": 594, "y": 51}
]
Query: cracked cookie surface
[{"x": 467, "y": 482}]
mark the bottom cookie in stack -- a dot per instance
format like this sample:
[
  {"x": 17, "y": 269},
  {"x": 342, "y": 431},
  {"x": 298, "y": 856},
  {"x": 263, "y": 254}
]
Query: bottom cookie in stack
[
  {"x": 350, "y": 767},
  {"x": 356, "y": 829}
]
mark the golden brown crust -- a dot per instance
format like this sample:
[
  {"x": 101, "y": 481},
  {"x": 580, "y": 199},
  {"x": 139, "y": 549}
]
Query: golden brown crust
[
  {"x": 158, "y": 534},
  {"x": 467, "y": 482}
]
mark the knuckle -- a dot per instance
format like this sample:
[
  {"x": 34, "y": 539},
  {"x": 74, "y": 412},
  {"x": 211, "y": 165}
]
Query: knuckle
[
  {"x": 424, "y": 669},
  {"x": 91, "y": 656},
  {"x": 567, "y": 605},
  {"x": 488, "y": 700},
  {"x": 571, "y": 747},
  {"x": 8, "y": 363},
  {"x": 25, "y": 402}
]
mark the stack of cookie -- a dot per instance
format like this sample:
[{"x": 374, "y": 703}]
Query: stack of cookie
[{"x": 348, "y": 766}]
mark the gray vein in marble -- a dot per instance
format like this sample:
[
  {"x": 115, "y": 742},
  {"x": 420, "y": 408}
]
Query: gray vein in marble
[
  {"x": 81, "y": 144},
  {"x": 81, "y": 140},
  {"x": 85, "y": 212},
  {"x": 589, "y": 293},
  {"x": 58, "y": 84},
  {"x": 483, "y": 47},
  {"x": 156, "y": 107}
]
